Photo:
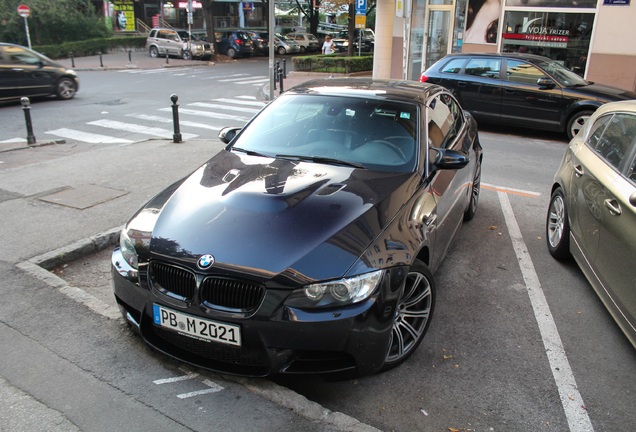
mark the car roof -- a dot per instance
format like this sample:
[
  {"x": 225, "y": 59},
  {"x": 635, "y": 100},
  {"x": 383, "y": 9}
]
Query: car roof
[
  {"x": 532, "y": 58},
  {"x": 626, "y": 105},
  {"x": 406, "y": 91}
]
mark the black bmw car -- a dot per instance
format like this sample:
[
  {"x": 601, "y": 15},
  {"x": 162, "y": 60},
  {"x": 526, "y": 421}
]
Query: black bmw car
[
  {"x": 522, "y": 90},
  {"x": 307, "y": 245}
]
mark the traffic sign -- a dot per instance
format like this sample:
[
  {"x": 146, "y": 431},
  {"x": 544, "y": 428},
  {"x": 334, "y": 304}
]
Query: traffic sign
[{"x": 24, "y": 11}]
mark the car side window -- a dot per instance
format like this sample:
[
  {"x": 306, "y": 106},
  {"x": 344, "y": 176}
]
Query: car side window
[
  {"x": 483, "y": 67},
  {"x": 453, "y": 66},
  {"x": 21, "y": 56},
  {"x": 523, "y": 72},
  {"x": 614, "y": 144},
  {"x": 444, "y": 121}
]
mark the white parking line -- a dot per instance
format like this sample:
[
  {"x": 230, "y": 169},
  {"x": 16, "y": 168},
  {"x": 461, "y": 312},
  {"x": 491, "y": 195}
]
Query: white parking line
[
  {"x": 510, "y": 190},
  {"x": 176, "y": 379},
  {"x": 213, "y": 388},
  {"x": 571, "y": 399}
]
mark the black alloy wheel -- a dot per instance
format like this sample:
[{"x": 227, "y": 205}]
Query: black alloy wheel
[
  {"x": 412, "y": 316},
  {"x": 474, "y": 194},
  {"x": 66, "y": 88}
]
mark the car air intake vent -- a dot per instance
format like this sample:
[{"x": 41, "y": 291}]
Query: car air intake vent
[
  {"x": 172, "y": 281},
  {"x": 231, "y": 295}
]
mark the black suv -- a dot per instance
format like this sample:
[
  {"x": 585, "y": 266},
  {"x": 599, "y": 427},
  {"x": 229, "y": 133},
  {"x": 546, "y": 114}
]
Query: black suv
[
  {"x": 522, "y": 90},
  {"x": 234, "y": 43},
  {"x": 368, "y": 40}
]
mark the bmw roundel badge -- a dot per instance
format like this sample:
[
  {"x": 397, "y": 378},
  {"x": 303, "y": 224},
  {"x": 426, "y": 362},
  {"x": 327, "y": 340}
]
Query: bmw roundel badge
[{"x": 205, "y": 262}]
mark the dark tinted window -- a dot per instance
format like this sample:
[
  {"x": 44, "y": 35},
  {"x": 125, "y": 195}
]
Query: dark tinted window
[
  {"x": 523, "y": 72},
  {"x": 483, "y": 67},
  {"x": 453, "y": 66}
]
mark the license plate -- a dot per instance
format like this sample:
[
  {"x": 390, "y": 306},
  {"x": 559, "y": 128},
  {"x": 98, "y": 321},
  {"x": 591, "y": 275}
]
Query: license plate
[{"x": 195, "y": 327}]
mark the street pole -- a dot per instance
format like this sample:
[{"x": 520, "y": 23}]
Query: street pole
[{"x": 26, "y": 29}]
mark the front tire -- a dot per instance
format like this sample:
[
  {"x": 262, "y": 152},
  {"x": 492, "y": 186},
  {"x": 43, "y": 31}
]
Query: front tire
[
  {"x": 154, "y": 52},
  {"x": 187, "y": 55},
  {"x": 474, "y": 194},
  {"x": 231, "y": 53},
  {"x": 412, "y": 316},
  {"x": 281, "y": 50},
  {"x": 576, "y": 122},
  {"x": 557, "y": 226},
  {"x": 66, "y": 89}
]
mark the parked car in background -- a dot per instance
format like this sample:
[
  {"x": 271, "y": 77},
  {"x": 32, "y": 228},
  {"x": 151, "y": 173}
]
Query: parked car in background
[
  {"x": 285, "y": 46},
  {"x": 522, "y": 90},
  {"x": 368, "y": 40},
  {"x": 260, "y": 40},
  {"x": 592, "y": 212},
  {"x": 178, "y": 43},
  {"x": 27, "y": 73},
  {"x": 309, "y": 243},
  {"x": 306, "y": 41},
  {"x": 234, "y": 43}
]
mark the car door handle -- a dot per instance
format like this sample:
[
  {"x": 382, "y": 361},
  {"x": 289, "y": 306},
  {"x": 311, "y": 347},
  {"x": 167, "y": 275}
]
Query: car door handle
[
  {"x": 17, "y": 69},
  {"x": 613, "y": 206},
  {"x": 430, "y": 220},
  {"x": 509, "y": 91},
  {"x": 461, "y": 84},
  {"x": 578, "y": 170}
]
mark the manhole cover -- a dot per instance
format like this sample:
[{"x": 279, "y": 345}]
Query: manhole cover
[{"x": 83, "y": 197}]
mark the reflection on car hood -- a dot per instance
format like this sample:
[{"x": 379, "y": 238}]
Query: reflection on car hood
[
  {"x": 604, "y": 92},
  {"x": 266, "y": 216}
]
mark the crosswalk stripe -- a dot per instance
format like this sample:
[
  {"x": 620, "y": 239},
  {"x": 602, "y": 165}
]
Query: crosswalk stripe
[
  {"x": 208, "y": 114},
  {"x": 240, "y": 102},
  {"x": 169, "y": 120},
  {"x": 87, "y": 137},
  {"x": 239, "y": 79},
  {"x": 137, "y": 128},
  {"x": 223, "y": 107},
  {"x": 153, "y": 71}
]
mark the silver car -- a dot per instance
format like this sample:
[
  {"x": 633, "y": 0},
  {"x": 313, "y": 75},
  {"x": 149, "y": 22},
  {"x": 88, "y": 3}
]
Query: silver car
[
  {"x": 592, "y": 212},
  {"x": 171, "y": 42},
  {"x": 285, "y": 46}
]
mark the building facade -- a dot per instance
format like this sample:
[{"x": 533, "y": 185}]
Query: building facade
[{"x": 591, "y": 37}]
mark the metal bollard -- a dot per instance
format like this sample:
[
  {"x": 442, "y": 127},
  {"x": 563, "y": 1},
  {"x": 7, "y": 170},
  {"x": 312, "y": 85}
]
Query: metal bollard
[
  {"x": 129, "y": 56},
  {"x": 167, "y": 56},
  {"x": 280, "y": 80},
  {"x": 284, "y": 68},
  {"x": 275, "y": 76},
  {"x": 27, "y": 117},
  {"x": 176, "y": 138},
  {"x": 72, "y": 59}
]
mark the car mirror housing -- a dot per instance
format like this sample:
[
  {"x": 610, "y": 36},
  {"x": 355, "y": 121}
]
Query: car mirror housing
[
  {"x": 546, "y": 82},
  {"x": 227, "y": 134},
  {"x": 450, "y": 159},
  {"x": 632, "y": 199}
]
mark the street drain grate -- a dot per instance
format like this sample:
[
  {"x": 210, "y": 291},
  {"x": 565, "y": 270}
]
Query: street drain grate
[{"x": 83, "y": 197}]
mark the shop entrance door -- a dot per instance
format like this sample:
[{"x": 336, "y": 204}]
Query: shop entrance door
[{"x": 439, "y": 32}]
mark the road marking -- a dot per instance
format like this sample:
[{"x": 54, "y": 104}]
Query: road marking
[
  {"x": 213, "y": 388},
  {"x": 13, "y": 140},
  {"x": 140, "y": 129},
  {"x": 186, "y": 377},
  {"x": 242, "y": 102},
  {"x": 256, "y": 82},
  {"x": 238, "y": 79},
  {"x": 208, "y": 114},
  {"x": 87, "y": 137},
  {"x": 158, "y": 119},
  {"x": 511, "y": 190},
  {"x": 224, "y": 107},
  {"x": 571, "y": 399}
]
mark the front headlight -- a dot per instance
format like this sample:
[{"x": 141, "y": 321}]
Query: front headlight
[
  {"x": 135, "y": 237},
  {"x": 336, "y": 293},
  {"x": 128, "y": 250}
]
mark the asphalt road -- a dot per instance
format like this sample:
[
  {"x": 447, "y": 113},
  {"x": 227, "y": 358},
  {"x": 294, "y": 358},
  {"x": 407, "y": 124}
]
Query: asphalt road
[{"x": 518, "y": 341}]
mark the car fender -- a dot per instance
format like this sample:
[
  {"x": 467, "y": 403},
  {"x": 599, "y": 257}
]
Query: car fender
[{"x": 580, "y": 105}]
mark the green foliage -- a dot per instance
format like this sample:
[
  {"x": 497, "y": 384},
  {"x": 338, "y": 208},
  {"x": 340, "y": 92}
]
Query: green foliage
[
  {"x": 333, "y": 63},
  {"x": 51, "y": 22},
  {"x": 91, "y": 46}
]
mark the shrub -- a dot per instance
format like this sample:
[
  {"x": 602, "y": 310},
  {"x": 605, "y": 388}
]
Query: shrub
[
  {"x": 333, "y": 63},
  {"x": 91, "y": 46}
]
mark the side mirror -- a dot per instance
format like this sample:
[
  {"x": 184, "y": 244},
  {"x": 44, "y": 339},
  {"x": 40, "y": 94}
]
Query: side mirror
[
  {"x": 632, "y": 199},
  {"x": 450, "y": 159},
  {"x": 546, "y": 83},
  {"x": 227, "y": 134}
]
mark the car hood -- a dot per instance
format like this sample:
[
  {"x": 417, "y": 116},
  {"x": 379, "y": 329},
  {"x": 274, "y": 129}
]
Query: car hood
[
  {"x": 604, "y": 92},
  {"x": 276, "y": 218}
]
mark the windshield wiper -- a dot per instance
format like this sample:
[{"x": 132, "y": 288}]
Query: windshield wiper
[
  {"x": 251, "y": 152},
  {"x": 320, "y": 159}
]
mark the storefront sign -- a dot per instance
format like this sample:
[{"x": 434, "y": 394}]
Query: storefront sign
[
  {"x": 124, "y": 15},
  {"x": 616, "y": 2},
  {"x": 537, "y": 40},
  {"x": 195, "y": 5}
]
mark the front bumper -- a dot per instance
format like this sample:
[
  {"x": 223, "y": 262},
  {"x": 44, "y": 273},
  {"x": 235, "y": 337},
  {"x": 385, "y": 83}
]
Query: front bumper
[{"x": 276, "y": 338}]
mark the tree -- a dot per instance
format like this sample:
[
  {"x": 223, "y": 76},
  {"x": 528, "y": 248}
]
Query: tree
[{"x": 51, "y": 22}]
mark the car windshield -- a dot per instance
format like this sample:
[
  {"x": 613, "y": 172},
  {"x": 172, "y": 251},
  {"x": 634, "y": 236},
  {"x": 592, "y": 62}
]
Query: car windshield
[
  {"x": 353, "y": 131},
  {"x": 562, "y": 75}
]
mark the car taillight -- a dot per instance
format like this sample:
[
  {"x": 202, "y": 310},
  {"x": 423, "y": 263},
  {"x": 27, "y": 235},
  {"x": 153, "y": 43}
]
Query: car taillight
[
  {"x": 423, "y": 78},
  {"x": 238, "y": 41}
]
